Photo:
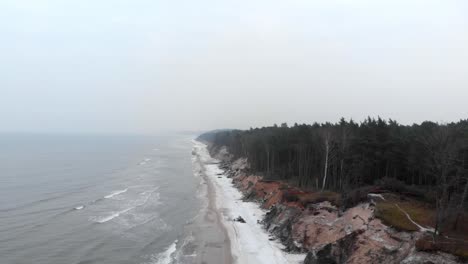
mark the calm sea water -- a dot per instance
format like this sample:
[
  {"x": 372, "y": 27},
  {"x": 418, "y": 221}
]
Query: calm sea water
[{"x": 94, "y": 199}]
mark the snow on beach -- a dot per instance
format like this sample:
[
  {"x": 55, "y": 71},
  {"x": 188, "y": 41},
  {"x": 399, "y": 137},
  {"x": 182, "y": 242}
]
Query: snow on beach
[{"x": 250, "y": 243}]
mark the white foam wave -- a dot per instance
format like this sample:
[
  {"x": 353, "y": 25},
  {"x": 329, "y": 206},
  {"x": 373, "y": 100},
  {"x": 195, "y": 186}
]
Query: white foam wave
[
  {"x": 146, "y": 196},
  {"x": 114, "y": 193},
  {"x": 145, "y": 161},
  {"x": 112, "y": 216},
  {"x": 138, "y": 217},
  {"x": 186, "y": 254},
  {"x": 166, "y": 256},
  {"x": 150, "y": 191},
  {"x": 79, "y": 207}
]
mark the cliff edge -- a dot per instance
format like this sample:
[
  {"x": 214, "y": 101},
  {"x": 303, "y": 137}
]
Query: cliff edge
[{"x": 315, "y": 223}]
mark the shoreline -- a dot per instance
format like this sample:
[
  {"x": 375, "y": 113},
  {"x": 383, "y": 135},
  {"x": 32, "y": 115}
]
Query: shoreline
[
  {"x": 211, "y": 193},
  {"x": 249, "y": 242},
  {"x": 212, "y": 239}
]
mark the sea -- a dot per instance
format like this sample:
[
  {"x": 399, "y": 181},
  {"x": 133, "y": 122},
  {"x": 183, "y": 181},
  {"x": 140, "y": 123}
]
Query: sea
[{"x": 88, "y": 199}]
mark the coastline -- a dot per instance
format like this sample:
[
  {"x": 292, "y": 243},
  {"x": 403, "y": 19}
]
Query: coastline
[
  {"x": 212, "y": 239},
  {"x": 248, "y": 242}
]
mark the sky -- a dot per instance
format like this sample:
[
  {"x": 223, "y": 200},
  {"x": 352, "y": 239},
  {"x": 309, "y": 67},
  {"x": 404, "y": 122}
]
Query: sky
[{"x": 138, "y": 66}]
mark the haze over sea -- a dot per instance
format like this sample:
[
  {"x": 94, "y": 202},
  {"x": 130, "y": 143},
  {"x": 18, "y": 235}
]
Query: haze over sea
[{"x": 95, "y": 199}]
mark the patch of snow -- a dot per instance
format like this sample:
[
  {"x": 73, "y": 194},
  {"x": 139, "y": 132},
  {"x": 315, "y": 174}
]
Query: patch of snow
[
  {"x": 376, "y": 237},
  {"x": 376, "y": 195}
]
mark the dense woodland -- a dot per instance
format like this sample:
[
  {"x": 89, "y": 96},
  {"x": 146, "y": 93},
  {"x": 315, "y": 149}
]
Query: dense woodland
[{"x": 427, "y": 159}]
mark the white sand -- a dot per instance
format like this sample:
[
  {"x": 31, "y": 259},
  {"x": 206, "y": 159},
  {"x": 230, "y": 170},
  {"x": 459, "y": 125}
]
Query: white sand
[{"x": 250, "y": 243}]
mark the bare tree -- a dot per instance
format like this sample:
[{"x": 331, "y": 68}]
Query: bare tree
[
  {"x": 441, "y": 145},
  {"x": 330, "y": 152}
]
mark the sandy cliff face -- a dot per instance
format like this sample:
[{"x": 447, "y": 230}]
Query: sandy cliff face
[{"x": 321, "y": 230}]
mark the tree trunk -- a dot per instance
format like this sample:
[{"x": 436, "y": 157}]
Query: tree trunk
[
  {"x": 326, "y": 164},
  {"x": 268, "y": 162},
  {"x": 462, "y": 205},
  {"x": 341, "y": 173}
]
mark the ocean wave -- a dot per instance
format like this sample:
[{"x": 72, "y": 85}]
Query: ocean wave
[
  {"x": 114, "y": 193},
  {"x": 150, "y": 191},
  {"x": 147, "y": 195},
  {"x": 79, "y": 207},
  {"x": 186, "y": 252},
  {"x": 142, "y": 200},
  {"x": 138, "y": 220},
  {"x": 113, "y": 215},
  {"x": 144, "y": 161},
  {"x": 165, "y": 257}
]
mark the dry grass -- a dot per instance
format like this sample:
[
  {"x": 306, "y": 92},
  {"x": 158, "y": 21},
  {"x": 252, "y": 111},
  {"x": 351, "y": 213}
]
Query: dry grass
[
  {"x": 424, "y": 215},
  {"x": 304, "y": 198},
  {"x": 392, "y": 216},
  {"x": 420, "y": 213},
  {"x": 317, "y": 197}
]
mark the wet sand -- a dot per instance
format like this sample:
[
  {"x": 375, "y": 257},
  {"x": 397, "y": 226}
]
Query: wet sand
[{"x": 211, "y": 238}]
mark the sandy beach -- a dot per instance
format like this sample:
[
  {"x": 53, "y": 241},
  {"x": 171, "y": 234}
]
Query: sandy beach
[
  {"x": 228, "y": 241},
  {"x": 210, "y": 234}
]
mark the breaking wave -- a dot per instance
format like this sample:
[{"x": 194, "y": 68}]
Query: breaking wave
[
  {"x": 115, "y": 193},
  {"x": 113, "y": 215},
  {"x": 165, "y": 257}
]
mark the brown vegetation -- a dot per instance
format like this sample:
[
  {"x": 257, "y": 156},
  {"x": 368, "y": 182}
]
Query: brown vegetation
[
  {"x": 394, "y": 217},
  {"x": 456, "y": 247},
  {"x": 304, "y": 198}
]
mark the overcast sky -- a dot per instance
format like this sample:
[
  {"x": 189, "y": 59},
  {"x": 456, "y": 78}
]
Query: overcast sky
[{"x": 136, "y": 66}]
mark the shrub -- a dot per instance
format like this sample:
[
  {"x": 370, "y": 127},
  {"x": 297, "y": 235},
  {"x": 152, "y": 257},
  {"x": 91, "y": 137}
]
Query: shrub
[
  {"x": 396, "y": 186},
  {"x": 355, "y": 196},
  {"x": 392, "y": 185},
  {"x": 290, "y": 197}
]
